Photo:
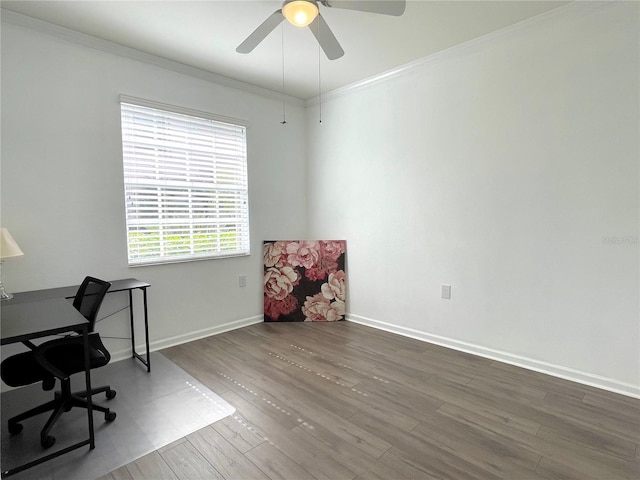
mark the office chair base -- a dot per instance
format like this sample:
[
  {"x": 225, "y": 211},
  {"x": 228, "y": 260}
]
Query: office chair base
[
  {"x": 47, "y": 441},
  {"x": 15, "y": 428},
  {"x": 108, "y": 392},
  {"x": 63, "y": 401}
]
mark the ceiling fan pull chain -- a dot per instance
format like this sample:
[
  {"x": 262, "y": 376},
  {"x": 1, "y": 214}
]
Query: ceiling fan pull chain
[
  {"x": 284, "y": 103},
  {"x": 319, "y": 78}
]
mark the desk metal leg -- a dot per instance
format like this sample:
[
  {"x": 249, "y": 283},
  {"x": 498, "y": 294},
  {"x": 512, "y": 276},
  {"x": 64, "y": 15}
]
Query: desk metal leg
[
  {"x": 87, "y": 378},
  {"x": 133, "y": 331},
  {"x": 146, "y": 362},
  {"x": 146, "y": 328}
]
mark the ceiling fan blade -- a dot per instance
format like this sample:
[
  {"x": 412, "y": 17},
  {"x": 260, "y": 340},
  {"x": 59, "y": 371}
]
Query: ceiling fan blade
[
  {"x": 261, "y": 32},
  {"x": 326, "y": 38},
  {"x": 385, "y": 7}
]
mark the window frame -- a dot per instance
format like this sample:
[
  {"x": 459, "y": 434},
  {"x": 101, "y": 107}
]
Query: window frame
[{"x": 239, "y": 196}]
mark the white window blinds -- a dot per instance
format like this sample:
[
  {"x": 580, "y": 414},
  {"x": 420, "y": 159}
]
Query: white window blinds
[{"x": 185, "y": 178}]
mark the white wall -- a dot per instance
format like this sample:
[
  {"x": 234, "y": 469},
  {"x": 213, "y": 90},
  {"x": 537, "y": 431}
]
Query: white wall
[
  {"x": 62, "y": 186},
  {"x": 507, "y": 168}
]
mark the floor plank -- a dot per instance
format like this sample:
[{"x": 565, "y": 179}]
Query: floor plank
[
  {"x": 318, "y": 464},
  {"x": 120, "y": 474},
  {"x": 187, "y": 462},
  {"x": 228, "y": 460},
  {"x": 276, "y": 464},
  {"x": 151, "y": 467}
]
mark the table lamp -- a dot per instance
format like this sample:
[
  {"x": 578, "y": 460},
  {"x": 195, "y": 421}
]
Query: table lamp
[{"x": 8, "y": 248}]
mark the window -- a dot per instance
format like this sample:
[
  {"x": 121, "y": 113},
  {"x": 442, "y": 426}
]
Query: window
[{"x": 185, "y": 180}]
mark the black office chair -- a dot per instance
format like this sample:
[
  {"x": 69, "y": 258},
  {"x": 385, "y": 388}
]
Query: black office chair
[{"x": 61, "y": 358}]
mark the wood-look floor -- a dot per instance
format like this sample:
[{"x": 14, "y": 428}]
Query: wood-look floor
[{"x": 342, "y": 401}]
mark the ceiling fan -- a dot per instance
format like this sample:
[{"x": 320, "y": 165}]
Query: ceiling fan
[{"x": 302, "y": 13}]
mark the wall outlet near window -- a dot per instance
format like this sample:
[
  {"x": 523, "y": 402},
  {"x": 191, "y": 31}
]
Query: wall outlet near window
[
  {"x": 446, "y": 291},
  {"x": 242, "y": 281}
]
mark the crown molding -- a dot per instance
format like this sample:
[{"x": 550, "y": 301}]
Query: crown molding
[
  {"x": 573, "y": 9},
  {"x": 96, "y": 43}
]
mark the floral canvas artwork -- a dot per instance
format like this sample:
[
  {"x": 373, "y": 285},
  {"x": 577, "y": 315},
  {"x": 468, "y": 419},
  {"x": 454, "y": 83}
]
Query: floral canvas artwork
[{"x": 304, "y": 280}]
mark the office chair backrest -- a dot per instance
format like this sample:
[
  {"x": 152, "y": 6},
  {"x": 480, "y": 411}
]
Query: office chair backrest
[{"x": 89, "y": 298}]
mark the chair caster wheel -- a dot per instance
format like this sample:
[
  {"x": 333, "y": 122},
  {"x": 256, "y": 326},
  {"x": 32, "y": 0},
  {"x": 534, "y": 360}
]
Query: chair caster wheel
[
  {"x": 110, "y": 416},
  {"x": 47, "y": 441},
  {"x": 15, "y": 428},
  {"x": 111, "y": 394}
]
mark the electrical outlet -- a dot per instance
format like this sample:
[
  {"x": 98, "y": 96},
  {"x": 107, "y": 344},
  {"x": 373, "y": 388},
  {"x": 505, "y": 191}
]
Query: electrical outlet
[
  {"x": 446, "y": 291},
  {"x": 242, "y": 281}
]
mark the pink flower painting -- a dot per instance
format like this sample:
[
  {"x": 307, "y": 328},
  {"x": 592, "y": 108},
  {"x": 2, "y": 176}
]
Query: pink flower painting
[{"x": 304, "y": 280}]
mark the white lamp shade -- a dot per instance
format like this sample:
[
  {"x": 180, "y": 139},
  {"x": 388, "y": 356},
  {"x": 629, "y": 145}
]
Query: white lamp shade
[
  {"x": 8, "y": 246},
  {"x": 300, "y": 12}
]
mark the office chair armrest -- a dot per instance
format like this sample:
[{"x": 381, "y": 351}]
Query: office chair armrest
[{"x": 57, "y": 356}]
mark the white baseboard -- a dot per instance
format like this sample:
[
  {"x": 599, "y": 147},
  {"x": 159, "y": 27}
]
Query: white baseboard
[
  {"x": 559, "y": 371},
  {"x": 187, "y": 337}
]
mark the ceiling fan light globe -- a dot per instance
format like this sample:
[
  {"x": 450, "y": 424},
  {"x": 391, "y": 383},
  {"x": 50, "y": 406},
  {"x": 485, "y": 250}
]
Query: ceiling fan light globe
[{"x": 300, "y": 13}]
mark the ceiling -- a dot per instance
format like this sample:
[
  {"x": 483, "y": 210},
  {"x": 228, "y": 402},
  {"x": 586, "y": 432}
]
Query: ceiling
[{"x": 205, "y": 34}]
